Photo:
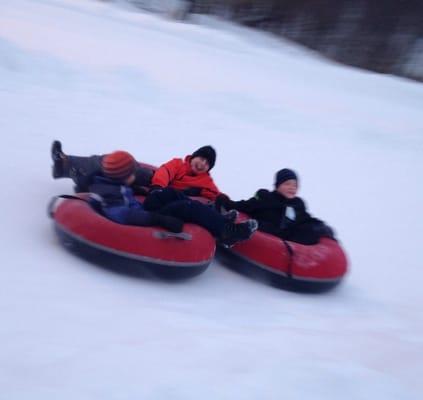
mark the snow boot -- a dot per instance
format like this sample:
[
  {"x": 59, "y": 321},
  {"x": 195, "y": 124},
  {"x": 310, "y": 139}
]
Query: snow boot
[
  {"x": 59, "y": 160},
  {"x": 231, "y": 215},
  {"x": 234, "y": 233}
]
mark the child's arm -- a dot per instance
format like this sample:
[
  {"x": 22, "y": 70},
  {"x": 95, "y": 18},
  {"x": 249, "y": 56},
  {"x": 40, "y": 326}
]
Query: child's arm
[
  {"x": 246, "y": 206},
  {"x": 166, "y": 173},
  {"x": 211, "y": 192}
]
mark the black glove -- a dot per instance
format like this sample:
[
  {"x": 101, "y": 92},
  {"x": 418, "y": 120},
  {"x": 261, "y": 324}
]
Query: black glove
[
  {"x": 222, "y": 203},
  {"x": 192, "y": 191},
  {"x": 155, "y": 188},
  {"x": 142, "y": 190}
]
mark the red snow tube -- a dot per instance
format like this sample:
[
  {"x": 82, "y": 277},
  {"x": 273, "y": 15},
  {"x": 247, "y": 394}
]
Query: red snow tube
[
  {"x": 143, "y": 251},
  {"x": 288, "y": 265}
]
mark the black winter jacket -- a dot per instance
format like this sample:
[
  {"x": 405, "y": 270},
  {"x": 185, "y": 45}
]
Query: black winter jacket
[{"x": 282, "y": 217}]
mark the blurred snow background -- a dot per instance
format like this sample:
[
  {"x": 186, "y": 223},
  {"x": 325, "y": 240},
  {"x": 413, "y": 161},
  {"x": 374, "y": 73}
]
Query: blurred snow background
[{"x": 102, "y": 77}]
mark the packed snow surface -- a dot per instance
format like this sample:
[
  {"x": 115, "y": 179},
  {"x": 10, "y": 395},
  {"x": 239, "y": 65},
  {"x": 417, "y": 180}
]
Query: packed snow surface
[{"x": 101, "y": 77}]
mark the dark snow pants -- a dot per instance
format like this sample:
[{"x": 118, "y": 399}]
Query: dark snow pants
[
  {"x": 171, "y": 202},
  {"x": 82, "y": 170}
]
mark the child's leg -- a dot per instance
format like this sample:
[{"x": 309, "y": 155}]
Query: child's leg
[
  {"x": 140, "y": 217},
  {"x": 226, "y": 231},
  {"x": 66, "y": 166},
  {"x": 197, "y": 213},
  {"x": 82, "y": 169},
  {"x": 137, "y": 216},
  {"x": 161, "y": 198}
]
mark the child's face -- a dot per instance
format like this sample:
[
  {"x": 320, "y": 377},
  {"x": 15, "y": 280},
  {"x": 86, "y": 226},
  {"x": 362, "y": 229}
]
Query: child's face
[
  {"x": 130, "y": 179},
  {"x": 199, "y": 165},
  {"x": 288, "y": 188}
]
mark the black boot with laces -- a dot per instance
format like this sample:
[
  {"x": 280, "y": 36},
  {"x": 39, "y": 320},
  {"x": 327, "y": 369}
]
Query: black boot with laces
[
  {"x": 233, "y": 233},
  {"x": 231, "y": 215}
]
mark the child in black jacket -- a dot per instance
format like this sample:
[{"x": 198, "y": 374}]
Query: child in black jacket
[{"x": 280, "y": 212}]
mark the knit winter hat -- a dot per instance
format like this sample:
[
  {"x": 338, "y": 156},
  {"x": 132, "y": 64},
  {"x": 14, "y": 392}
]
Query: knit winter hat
[
  {"x": 118, "y": 165},
  {"x": 206, "y": 152},
  {"x": 284, "y": 175}
]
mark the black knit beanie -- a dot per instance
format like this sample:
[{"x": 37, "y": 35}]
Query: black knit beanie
[
  {"x": 284, "y": 175},
  {"x": 206, "y": 152}
]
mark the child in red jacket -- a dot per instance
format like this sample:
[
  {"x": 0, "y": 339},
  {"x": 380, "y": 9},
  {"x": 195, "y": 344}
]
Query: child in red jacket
[
  {"x": 177, "y": 179},
  {"x": 189, "y": 175}
]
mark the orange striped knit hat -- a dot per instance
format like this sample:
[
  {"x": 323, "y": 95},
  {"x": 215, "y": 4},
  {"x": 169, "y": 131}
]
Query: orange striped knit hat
[{"x": 118, "y": 165}]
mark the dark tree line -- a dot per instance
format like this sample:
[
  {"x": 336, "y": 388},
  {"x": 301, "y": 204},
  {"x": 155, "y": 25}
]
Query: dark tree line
[{"x": 380, "y": 35}]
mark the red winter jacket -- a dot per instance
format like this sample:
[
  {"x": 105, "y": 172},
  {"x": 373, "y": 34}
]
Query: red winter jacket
[{"x": 177, "y": 173}]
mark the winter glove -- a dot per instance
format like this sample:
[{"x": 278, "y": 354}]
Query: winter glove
[
  {"x": 140, "y": 190},
  {"x": 192, "y": 191},
  {"x": 155, "y": 188},
  {"x": 159, "y": 197},
  {"x": 153, "y": 201},
  {"x": 222, "y": 203}
]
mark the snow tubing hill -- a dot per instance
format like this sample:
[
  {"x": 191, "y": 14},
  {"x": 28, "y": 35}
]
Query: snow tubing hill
[
  {"x": 133, "y": 250},
  {"x": 288, "y": 265}
]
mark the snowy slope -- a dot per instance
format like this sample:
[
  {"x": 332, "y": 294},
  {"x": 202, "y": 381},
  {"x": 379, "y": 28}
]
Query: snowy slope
[{"x": 101, "y": 77}]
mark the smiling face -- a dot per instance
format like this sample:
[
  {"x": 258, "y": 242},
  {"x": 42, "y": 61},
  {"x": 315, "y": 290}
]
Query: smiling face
[
  {"x": 199, "y": 165},
  {"x": 288, "y": 188}
]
